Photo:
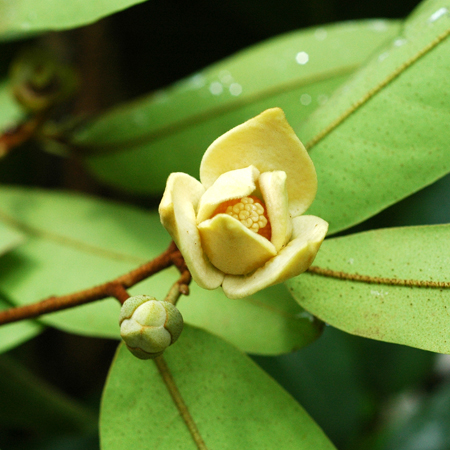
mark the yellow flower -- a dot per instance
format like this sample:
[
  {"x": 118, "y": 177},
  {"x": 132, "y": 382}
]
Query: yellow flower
[{"x": 241, "y": 227}]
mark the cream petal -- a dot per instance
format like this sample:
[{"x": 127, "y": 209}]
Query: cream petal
[
  {"x": 269, "y": 143},
  {"x": 230, "y": 185},
  {"x": 292, "y": 260},
  {"x": 177, "y": 212},
  {"x": 273, "y": 190},
  {"x": 233, "y": 248}
]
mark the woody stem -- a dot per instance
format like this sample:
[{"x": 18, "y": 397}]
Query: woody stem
[{"x": 115, "y": 288}]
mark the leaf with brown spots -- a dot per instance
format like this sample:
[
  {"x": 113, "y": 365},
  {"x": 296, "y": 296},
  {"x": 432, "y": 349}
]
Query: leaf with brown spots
[{"x": 392, "y": 285}]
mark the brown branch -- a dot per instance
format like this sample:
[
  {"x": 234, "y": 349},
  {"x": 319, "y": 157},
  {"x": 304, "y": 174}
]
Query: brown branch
[
  {"x": 21, "y": 133},
  {"x": 179, "y": 288},
  {"x": 115, "y": 288},
  {"x": 117, "y": 291}
]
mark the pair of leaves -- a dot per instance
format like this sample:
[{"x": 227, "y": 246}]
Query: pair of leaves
[
  {"x": 230, "y": 400},
  {"x": 136, "y": 146},
  {"x": 74, "y": 242}
]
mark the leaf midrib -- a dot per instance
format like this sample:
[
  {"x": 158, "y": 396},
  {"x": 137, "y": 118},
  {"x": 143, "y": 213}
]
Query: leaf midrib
[
  {"x": 209, "y": 114},
  {"x": 375, "y": 90},
  {"x": 68, "y": 241},
  {"x": 369, "y": 279}
]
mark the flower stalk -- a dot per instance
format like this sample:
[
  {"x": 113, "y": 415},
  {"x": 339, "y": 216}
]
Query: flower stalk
[{"x": 115, "y": 288}]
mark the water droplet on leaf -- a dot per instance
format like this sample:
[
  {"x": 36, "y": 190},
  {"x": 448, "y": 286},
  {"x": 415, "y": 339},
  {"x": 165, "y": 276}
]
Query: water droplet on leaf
[
  {"x": 302, "y": 58},
  {"x": 438, "y": 14},
  {"x": 216, "y": 88},
  {"x": 305, "y": 99},
  {"x": 235, "y": 89}
]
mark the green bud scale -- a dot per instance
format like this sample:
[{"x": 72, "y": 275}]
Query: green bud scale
[{"x": 148, "y": 326}]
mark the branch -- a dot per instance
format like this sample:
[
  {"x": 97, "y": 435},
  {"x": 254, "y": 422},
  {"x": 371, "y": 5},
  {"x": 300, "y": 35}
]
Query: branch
[
  {"x": 21, "y": 133},
  {"x": 115, "y": 288}
]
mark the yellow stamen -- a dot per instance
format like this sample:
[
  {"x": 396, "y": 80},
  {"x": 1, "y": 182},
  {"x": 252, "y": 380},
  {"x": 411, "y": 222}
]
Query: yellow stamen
[{"x": 250, "y": 211}]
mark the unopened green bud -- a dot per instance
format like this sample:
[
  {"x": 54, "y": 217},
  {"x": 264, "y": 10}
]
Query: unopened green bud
[{"x": 148, "y": 326}]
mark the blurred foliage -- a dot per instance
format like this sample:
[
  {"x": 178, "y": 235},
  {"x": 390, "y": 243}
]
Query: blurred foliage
[{"x": 364, "y": 394}]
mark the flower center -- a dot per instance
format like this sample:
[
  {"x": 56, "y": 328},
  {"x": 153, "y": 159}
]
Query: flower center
[{"x": 250, "y": 211}]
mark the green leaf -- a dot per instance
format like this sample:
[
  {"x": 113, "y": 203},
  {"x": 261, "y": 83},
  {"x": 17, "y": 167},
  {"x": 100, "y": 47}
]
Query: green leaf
[
  {"x": 14, "y": 334},
  {"x": 10, "y": 111},
  {"x": 9, "y": 238},
  {"x": 232, "y": 402},
  {"x": 75, "y": 243},
  {"x": 385, "y": 134},
  {"x": 136, "y": 146},
  {"x": 332, "y": 357},
  {"x": 22, "y": 17},
  {"x": 391, "y": 285},
  {"x": 269, "y": 322}
]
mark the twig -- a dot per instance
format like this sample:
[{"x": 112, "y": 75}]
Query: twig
[
  {"x": 179, "y": 288},
  {"x": 115, "y": 288},
  {"x": 21, "y": 133},
  {"x": 117, "y": 291}
]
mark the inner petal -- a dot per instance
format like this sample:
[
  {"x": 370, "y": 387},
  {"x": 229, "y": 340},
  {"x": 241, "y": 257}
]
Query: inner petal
[
  {"x": 232, "y": 247},
  {"x": 234, "y": 184},
  {"x": 250, "y": 211},
  {"x": 274, "y": 193}
]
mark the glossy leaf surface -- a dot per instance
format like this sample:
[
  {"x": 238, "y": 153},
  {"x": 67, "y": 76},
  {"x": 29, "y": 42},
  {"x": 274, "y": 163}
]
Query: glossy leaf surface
[
  {"x": 235, "y": 409},
  {"x": 9, "y": 238},
  {"x": 385, "y": 134},
  {"x": 12, "y": 335},
  {"x": 405, "y": 314},
  {"x": 75, "y": 242},
  {"x": 22, "y": 17},
  {"x": 137, "y": 145}
]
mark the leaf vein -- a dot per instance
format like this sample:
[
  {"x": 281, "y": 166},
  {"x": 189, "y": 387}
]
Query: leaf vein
[
  {"x": 315, "y": 270},
  {"x": 182, "y": 124},
  {"x": 179, "y": 402},
  {"x": 67, "y": 241},
  {"x": 372, "y": 92}
]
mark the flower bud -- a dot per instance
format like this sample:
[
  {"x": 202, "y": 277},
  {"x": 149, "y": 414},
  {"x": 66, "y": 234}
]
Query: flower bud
[{"x": 148, "y": 326}]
